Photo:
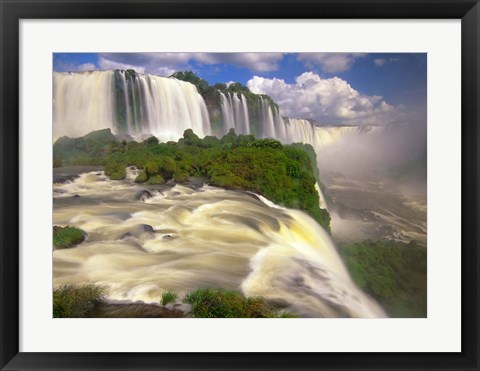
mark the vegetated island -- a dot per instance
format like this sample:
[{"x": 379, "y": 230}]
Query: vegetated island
[{"x": 284, "y": 174}]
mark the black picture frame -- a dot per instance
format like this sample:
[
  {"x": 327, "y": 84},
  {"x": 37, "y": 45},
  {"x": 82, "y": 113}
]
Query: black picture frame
[{"x": 12, "y": 11}]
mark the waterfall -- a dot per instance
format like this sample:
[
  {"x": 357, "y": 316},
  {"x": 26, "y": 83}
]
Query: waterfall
[
  {"x": 235, "y": 113},
  {"x": 127, "y": 102},
  {"x": 141, "y": 105},
  {"x": 82, "y": 102},
  {"x": 268, "y": 128},
  {"x": 208, "y": 237}
]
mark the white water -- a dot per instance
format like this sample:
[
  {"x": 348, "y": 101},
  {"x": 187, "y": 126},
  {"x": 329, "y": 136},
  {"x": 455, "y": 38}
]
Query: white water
[
  {"x": 82, "y": 102},
  {"x": 235, "y": 113},
  {"x": 207, "y": 237},
  {"x": 164, "y": 107}
]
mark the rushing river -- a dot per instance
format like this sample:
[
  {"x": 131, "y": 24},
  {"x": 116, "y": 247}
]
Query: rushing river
[{"x": 143, "y": 240}]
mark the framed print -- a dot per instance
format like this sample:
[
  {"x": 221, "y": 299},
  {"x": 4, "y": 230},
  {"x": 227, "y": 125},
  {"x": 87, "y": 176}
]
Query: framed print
[{"x": 239, "y": 185}]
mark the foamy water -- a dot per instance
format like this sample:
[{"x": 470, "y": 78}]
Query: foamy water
[{"x": 143, "y": 240}]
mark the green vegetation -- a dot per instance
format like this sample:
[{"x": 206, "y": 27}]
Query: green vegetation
[
  {"x": 393, "y": 273},
  {"x": 215, "y": 303},
  {"x": 65, "y": 237},
  {"x": 285, "y": 174},
  {"x": 168, "y": 297},
  {"x": 86, "y": 150},
  {"x": 156, "y": 179},
  {"x": 115, "y": 168},
  {"x": 190, "y": 77},
  {"x": 142, "y": 177},
  {"x": 75, "y": 301}
]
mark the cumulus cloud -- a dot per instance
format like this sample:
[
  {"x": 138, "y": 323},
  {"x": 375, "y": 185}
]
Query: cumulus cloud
[
  {"x": 327, "y": 101},
  {"x": 330, "y": 62},
  {"x": 167, "y": 63}
]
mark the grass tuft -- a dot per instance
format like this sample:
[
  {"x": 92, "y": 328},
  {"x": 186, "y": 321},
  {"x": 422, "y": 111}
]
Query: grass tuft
[
  {"x": 168, "y": 297},
  {"x": 74, "y": 301},
  {"x": 215, "y": 303},
  {"x": 64, "y": 237}
]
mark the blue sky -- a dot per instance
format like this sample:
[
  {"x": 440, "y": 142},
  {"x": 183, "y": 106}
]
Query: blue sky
[{"x": 362, "y": 86}]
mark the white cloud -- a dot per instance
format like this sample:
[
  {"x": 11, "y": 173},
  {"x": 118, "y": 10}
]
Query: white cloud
[
  {"x": 86, "y": 67},
  {"x": 106, "y": 64},
  {"x": 259, "y": 62},
  {"x": 166, "y": 63},
  {"x": 330, "y": 62},
  {"x": 70, "y": 67},
  {"x": 327, "y": 101},
  {"x": 379, "y": 62}
]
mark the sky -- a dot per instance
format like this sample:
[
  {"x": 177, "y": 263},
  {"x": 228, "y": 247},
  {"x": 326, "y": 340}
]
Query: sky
[{"x": 330, "y": 88}]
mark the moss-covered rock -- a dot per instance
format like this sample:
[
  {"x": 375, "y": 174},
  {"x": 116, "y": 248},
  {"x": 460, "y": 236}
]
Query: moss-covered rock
[
  {"x": 65, "y": 237},
  {"x": 156, "y": 180},
  {"x": 142, "y": 177}
]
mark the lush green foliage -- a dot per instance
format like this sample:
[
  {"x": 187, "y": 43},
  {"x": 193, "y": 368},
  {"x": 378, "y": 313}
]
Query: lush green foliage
[
  {"x": 215, "y": 303},
  {"x": 87, "y": 150},
  {"x": 285, "y": 174},
  {"x": 115, "y": 168},
  {"x": 393, "y": 273},
  {"x": 75, "y": 301},
  {"x": 142, "y": 177},
  {"x": 156, "y": 180},
  {"x": 67, "y": 237},
  {"x": 168, "y": 297},
  {"x": 189, "y": 76}
]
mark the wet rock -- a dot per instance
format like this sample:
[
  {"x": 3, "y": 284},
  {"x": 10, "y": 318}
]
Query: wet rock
[
  {"x": 126, "y": 235},
  {"x": 145, "y": 228},
  {"x": 181, "y": 307},
  {"x": 279, "y": 303},
  {"x": 143, "y": 195},
  {"x": 76, "y": 196},
  {"x": 168, "y": 237},
  {"x": 59, "y": 179}
]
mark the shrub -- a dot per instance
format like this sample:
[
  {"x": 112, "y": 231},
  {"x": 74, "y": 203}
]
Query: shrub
[
  {"x": 75, "y": 301},
  {"x": 181, "y": 176},
  {"x": 394, "y": 273},
  {"x": 156, "y": 179},
  {"x": 168, "y": 297},
  {"x": 67, "y": 237},
  {"x": 215, "y": 303},
  {"x": 115, "y": 170},
  {"x": 142, "y": 177}
]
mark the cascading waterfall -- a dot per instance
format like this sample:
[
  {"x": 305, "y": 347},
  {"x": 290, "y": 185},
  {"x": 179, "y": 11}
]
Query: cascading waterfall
[
  {"x": 278, "y": 253},
  {"x": 83, "y": 102},
  {"x": 267, "y": 120},
  {"x": 127, "y": 102},
  {"x": 183, "y": 238},
  {"x": 235, "y": 113},
  {"x": 140, "y": 105}
]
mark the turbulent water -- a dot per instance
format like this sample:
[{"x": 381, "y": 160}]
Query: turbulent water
[
  {"x": 374, "y": 209},
  {"x": 143, "y": 240}
]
